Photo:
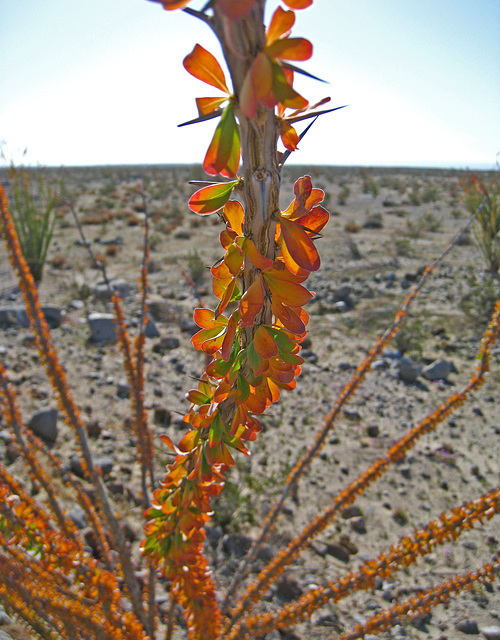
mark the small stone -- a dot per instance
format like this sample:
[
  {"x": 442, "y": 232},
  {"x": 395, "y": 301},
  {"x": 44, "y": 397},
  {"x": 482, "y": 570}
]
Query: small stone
[
  {"x": 94, "y": 429},
  {"x": 151, "y": 330},
  {"x": 167, "y": 343},
  {"x": 339, "y": 307},
  {"x": 288, "y": 588},
  {"x": 123, "y": 389},
  {"x": 44, "y": 424},
  {"x": 337, "y": 551},
  {"x": 372, "y": 430},
  {"x": 468, "y": 626},
  {"x": 405, "y": 471},
  {"x": 358, "y": 524},
  {"x": 437, "y": 370},
  {"x": 77, "y": 514},
  {"x": 352, "y": 511},
  {"x": 162, "y": 416},
  {"x": 408, "y": 370},
  {"x": 491, "y": 633},
  {"x": 159, "y": 309},
  {"x": 236, "y": 544},
  {"x": 103, "y": 292},
  {"x": 102, "y": 327},
  {"x": 352, "y": 414}
]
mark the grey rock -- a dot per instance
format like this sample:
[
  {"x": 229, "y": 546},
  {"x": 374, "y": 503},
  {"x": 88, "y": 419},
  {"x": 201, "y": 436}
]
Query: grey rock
[
  {"x": 337, "y": 551},
  {"x": 159, "y": 308},
  {"x": 103, "y": 292},
  {"x": 358, "y": 524},
  {"x": 408, "y": 370},
  {"x": 352, "y": 511},
  {"x": 491, "y": 632},
  {"x": 437, "y": 370},
  {"x": 167, "y": 343},
  {"x": 288, "y": 588},
  {"x": 468, "y": 626},
  {"x": 340, "y": 307},
  {"x": 77, "y": 514},
  {"x": 4, "y": 618},
  {"x": 17, "y": 316},
  {"x": 372, "y": 430},
  {"x": 151, "y": 330},
  {"x": 44, "y": 424},
  {"x": 4, "y": 635},
  {"x": 104, "y": 462},
  {"x": 236, "y": 544},
  {"x": 102, "y": 327},
  {"x": 123, "y": 389}
]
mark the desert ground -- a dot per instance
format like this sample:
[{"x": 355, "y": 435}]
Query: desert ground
[{"x": 386, "y": 225}]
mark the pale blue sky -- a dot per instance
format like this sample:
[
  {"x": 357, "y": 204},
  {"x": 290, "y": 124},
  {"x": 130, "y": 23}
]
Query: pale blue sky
[{"x": 101, "y": 82}]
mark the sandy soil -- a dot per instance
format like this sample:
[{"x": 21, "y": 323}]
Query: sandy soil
[{"x": 386, "y": 225}]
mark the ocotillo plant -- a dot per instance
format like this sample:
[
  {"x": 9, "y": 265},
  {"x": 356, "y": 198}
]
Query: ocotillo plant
[{"x": 50, "y": 579}]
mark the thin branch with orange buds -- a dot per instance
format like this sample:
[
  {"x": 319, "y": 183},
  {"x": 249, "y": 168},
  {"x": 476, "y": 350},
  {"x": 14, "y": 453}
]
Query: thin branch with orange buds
[
  {"x": 344, "y": 397},
  {"x": 346, "y": 497},
  {"x": 422, "y": 603},
  {"x": 403, "y": 554}
]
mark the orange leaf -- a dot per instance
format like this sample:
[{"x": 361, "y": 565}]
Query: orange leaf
[
  {"x": 223, "y": 155},
  {"x": 299, "y": 245},
  {"x": 201, "y": 64},
  {"x": 251, "y": 302},
  {"x": 212, "y": 198},
  {"x": 264, "y": 343},
  {"x": 283, "y": 90},
  {"x": 281, "y": 24},
  {"x": 289, "y": 136},
  {"x": 201, "y": 337},
  {"x": 189, "y": 440},
  {"x": 255, "y": 256},
  {"x": 205, "y": 318},
  {"x": 288, "y": 317},
  {"x": 170, "y": 5},
  {"x": 208, "y": 105},
  {"x": 289, "y": 293},
  {"x": 290, "y": 49},
  {"x": 298, "y": 4},
  {"x": 227, "y": 345},
  {"x": 221, "y": 271},
  {"x": 234, "y": 216},
  {"x": 316, "y": 219},
  {"x": 226, "y": 298},
  {"x": 234, "y": 259},
  {"x": 257, "y": 84}
]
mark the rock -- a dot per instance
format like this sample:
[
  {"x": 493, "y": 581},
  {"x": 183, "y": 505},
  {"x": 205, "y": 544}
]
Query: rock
[
  {"x": 372, "y": 430},
  {"x": 77, "y": 514},
  {"x": 123, "y": 389},
  {"x": 236, "y": 544},
  {"x": 408, "y": 370},
  {"x": 103, "y": 292},
  {"x": 4, "y": 635},
  {"x": 162, "y": 416},
  {"x": 352, "y": 414},
  {"x": 167, "y": 343},
  {"x": 159, "y": 309},
  {"x": 102, "y": 327},
  {"x": 337, "y": 551},
  {"x": 4, "y": 618},
  {"x": 309, "y": 355},
  {"x": 17, "y": 316},
  {"x": 491, "y": 633},
  {"x": 358, "y": 524},
  {"x": 468, "y": 626},
  {"x": 151, "y": 330},
  {"x": 288, "y": 588},
  {"x": 340, "y": 307},
  {"x": 94, "y": 429},
  {"x": 44, "y": 424},
  {"x": 352, "y": 511},
  {"x": 437, "y": 370}
]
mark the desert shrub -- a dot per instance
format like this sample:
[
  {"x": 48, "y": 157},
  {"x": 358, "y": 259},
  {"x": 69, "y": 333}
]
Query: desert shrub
[
  {"x": 34, "y": 204},
  {"x": 480, "y": 299},
  {"x": 483, "y": 195},
  {"x": 343, "y": 194},
  {"x": 65, "y": 583}
]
